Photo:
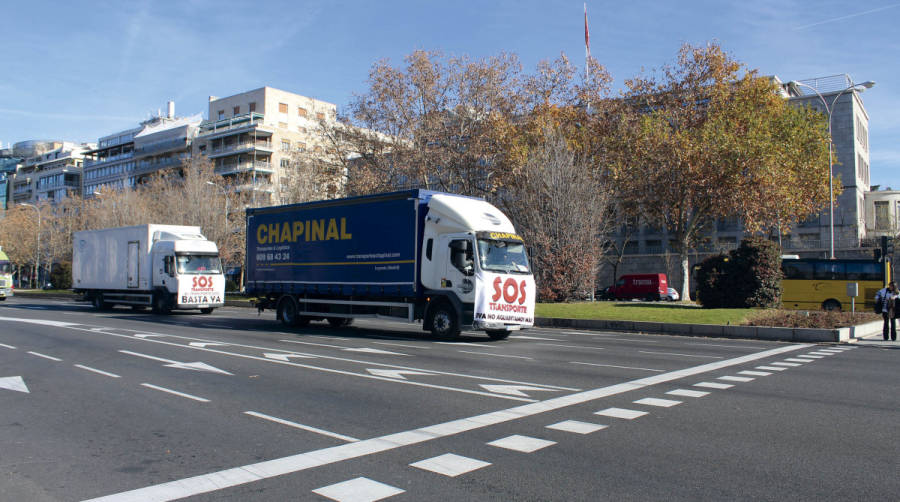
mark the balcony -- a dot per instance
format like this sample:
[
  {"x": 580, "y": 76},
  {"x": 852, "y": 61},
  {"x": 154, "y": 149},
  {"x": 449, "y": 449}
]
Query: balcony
[
  {"x": 226, "y": 127},
  {"x": 246, "y": 147},
  {"x": 147, "y": 166},
  {"x": 259, "y": 187},
  {"x": 246, "y": 167},
  {"x": 161, "y": 146},
  {"x": 105, "y": 160}
]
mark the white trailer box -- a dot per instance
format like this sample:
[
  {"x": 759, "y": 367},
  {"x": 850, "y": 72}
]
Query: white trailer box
[{"x": 144, "y": 265}]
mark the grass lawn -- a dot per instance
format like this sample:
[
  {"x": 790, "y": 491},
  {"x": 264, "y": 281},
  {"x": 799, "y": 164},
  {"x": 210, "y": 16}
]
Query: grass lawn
[{"x": 684, "y": 313}]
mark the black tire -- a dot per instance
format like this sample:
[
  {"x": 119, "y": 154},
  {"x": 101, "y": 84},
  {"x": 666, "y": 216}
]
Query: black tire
[
  {"x": 498, "y": 334},
  {"x": 831, "y": 305},
  {"x": 207, "y": 311},
  {"x": 339, "y": 322},
  {"x": 444, "y": 323},
  {"x": 288, "y": 310},
  {"x": 2, "y": 298},
  {"x": 98, "y": 303},
  {"x": 161, "y": 304}
]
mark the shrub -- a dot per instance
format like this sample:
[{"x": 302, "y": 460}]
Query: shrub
[
  {"x": 61, "y": 275},
  {"x": 231, "y": 285},
  {"x": 750, "y": 276}
]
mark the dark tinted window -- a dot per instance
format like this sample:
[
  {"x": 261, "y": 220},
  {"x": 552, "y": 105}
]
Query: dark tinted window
[
  {"x": 828, "y": 270},
  {"x": 428, "y": 248},
  {"x": 864, "y": 271},
  {"x": 797, "y": 270}
]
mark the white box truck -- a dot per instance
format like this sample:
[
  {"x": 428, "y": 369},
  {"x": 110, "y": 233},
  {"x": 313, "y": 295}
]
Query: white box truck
[{"x": 165, "y": 267}]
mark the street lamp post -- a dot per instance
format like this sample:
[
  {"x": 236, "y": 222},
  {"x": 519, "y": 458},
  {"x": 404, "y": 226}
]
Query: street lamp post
[
  {"x": 828, "y": 110},
  {"x": 37, "y": 254}
]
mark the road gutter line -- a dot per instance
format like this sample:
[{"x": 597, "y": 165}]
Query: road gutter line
[{"x": 227, "y": 478}]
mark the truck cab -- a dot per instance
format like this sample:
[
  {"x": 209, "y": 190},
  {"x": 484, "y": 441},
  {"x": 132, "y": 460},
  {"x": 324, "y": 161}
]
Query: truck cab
[
  {"x": 6, "y": 282},
  {"x": 187, "y": 273}
]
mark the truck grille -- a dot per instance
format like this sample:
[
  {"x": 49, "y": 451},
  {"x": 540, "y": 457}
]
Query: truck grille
[{"x": 3, "y": 283}]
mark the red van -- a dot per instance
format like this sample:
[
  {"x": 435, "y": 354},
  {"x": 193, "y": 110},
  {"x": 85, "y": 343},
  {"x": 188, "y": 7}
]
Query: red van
[{"x": 650, "y": 287}]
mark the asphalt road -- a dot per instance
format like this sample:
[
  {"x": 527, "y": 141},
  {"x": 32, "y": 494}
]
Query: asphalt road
[{"x": 121, "y": 405}]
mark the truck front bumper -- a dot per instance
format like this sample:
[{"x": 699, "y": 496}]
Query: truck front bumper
[
  {"x": 499, "y": 326},
  {"x": 6, "y": 292}
]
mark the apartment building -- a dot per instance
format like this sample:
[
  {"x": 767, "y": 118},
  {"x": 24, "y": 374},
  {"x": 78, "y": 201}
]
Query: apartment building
[
  {"x": 123, "y": 159},
  {"x": 51, "y": 171},
  {"x": 253, "y": 137}
]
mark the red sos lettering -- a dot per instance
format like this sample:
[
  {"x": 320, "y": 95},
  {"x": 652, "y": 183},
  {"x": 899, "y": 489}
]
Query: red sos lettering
[
  {"x": 510, "y": 290},
  {"x": 202, "y": 281}
]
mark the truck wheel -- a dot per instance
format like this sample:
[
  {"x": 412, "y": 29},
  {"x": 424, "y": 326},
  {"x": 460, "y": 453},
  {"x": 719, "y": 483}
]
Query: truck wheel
[
  {"x": 287, "y": 311},
  {"x": 98, "y": 302},
  {"x": 444, "y": 323},
  {"x": 832, "y": 305},
  {"x": 160, "y": 304},
  {"x": 208, "y": 310},
  {"x": 498, "y": 334}
]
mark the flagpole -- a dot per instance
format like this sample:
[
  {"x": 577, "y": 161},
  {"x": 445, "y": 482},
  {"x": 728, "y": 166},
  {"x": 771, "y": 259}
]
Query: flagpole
[{"x": 587, "y": 47}]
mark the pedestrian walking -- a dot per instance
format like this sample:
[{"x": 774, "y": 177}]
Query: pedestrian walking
[{"x": 886, "y": 303}]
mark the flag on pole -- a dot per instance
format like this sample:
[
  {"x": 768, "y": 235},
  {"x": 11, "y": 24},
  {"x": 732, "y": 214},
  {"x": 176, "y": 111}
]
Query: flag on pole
[{"x": 587, "y": 45}]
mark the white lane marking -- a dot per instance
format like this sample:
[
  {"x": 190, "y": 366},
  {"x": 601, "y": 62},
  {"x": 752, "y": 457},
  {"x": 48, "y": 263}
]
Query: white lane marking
[
  {"x": 144, "y": 335},
  {"x": 45, "y": 356},
  {"x": 524, "y": 444},
  {"x": 494, "y": 355},
  {"x": 798, "y": 360},
  {"x": 662, "y": 403},
  {"x": 369, "y": 350},
  {"x": 14, "y": 383},
  {"x": 526, "y": 337},
  {"x": 678, "y": 354},
  {"x": 614, "y": 366},
  {"x": 207, "y": 344},
  {"x": 7, "y": 346},
  {"x": 358, "y": 490},
  {"x": 687, "y": 393},
  {"x": 811, "y": 356},
  {"x": 576, "y": 427},
  {"x": 175, "y": 392},
  {"x": 585, "y": 333},
  {"x": 396, "y": 373},
  {"x": 450, "y": 464},
  {"x": 754, "y": 373},
  {"x": 730, "y": 378},
  {"x": 572, "y": 346},
  {"x": 621, "y": 413},
  {"x": 236, "y": 476},
  {"x": 771, "y": 368},
  {"x": 285, "y": 356},
  {"x": 402, "y": 345},
  {"x": 95, "y": 370},
  {"x": 514, "y": 390},
  {"x": 713, "y": 385},
  {"x": 195, "y": 366},
  {"x": 789, "y": 365},
  {"x": 301, "y": 426},
  {"x": 820, "y": 353}
]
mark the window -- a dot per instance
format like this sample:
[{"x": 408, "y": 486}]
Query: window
[
  {"x": 462, "y": 256},
  {"x": 428, "y": 248},
  {"x": 221, "y": 114},
  {"x": 301, "y": 112},
  {"x": 882, "y": 215},
  {"x": 282, "y": 108},
  {"x": 301, "y": 147},
  {"x": 237, "y": 110},
  {"x": 797, "y": 269},
  {"x": 285, "y": 145},
  {"x": 285, "y": 163},
  {"x": 252, "y": 107},
  {"x": 320, "y": 116}
]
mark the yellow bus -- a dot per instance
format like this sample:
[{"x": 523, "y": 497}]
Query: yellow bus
[
  {"x": 814, "y": 284},
  {"x": 6, "y": 282}
]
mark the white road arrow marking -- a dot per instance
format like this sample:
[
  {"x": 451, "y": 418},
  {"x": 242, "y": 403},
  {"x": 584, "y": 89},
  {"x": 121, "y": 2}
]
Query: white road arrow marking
[
  {"x": 374, "y": 351},
  {"x": 203, "y": 345},
  {"x": 513, "y": 390},
  {"x": 196, "y": 366},
  {"x": 14, "y": 383},
  {"x": 396, "y": 373},
  {"x": 285, "y": 357}
]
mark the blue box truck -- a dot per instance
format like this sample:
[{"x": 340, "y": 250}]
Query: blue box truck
[{"x": 448, "y": 261}]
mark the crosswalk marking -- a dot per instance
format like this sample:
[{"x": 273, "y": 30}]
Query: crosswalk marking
[
  {"x": 621, "y": 413},
  {"x": 754, "y": 373},
  {"x": 576, "y": 427},
  {"x": 523, "y": 444},
  {"x": 714, "y": 385},
  {"x": 358, "y": 490},
  {"x": 450, "y": 464},
  {"x": 687, "y": 393},
  {"x": 790, "y": 365},
  {"x": 662, "y": 403},
  {"x": 771, "y": 368},
  {"x": 730, "y": 378},
  {"x": 798, "y": 360}
]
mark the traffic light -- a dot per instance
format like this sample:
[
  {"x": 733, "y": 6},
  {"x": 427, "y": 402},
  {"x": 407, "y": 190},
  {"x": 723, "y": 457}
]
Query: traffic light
[{"x": 887, "y": 247}]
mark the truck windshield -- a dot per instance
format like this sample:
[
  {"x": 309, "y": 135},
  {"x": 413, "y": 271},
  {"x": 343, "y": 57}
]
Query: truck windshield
[
  {"x": 5, "y": 267},
  {"x": 198, "y": 264},
  {"x": 502, "y": 256}
]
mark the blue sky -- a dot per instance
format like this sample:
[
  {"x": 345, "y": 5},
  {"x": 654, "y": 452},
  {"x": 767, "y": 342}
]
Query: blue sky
[{"x": 79, "y": 70}]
